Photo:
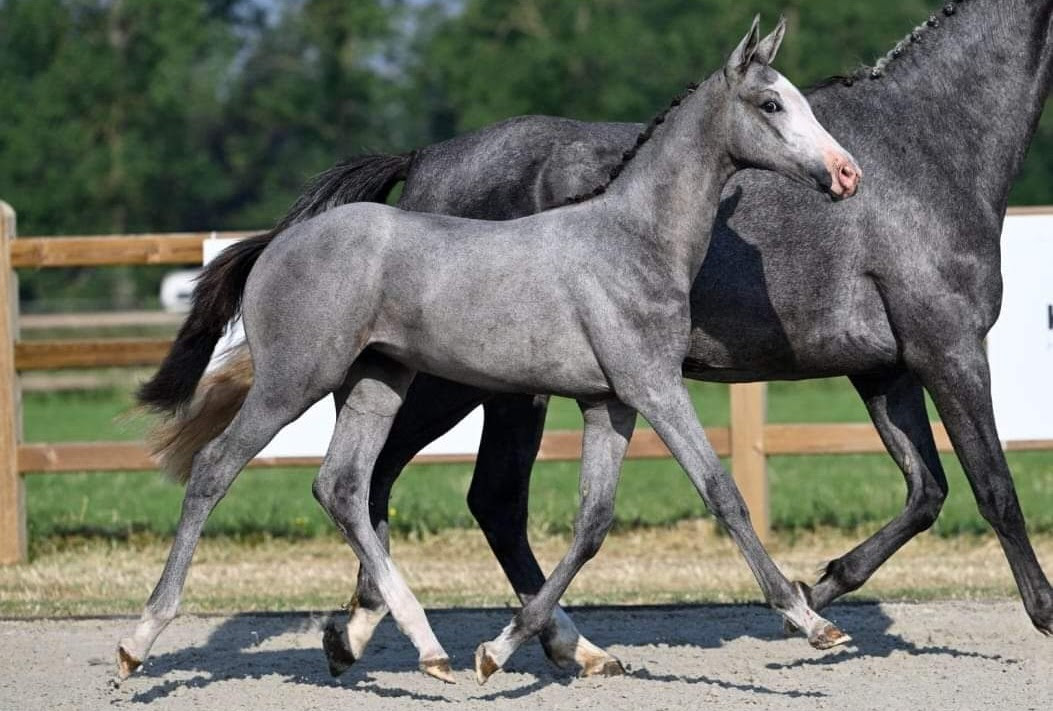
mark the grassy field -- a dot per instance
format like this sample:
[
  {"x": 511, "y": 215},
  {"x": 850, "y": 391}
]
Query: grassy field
[
  {"x": 848, "y": 492},
  {"x": 687, "y": 562}
]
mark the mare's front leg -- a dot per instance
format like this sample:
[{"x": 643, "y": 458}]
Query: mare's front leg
[
  {"x": 376, "y": 387},
  {"x": 959, "y": 380},
  {"x": 667, "y": 406},
  {"x": 896, "y": 404},
  {"x": 608, "y": 427}
]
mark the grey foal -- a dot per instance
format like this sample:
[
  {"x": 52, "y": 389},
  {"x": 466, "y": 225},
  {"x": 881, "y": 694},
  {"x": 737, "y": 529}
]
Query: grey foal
[{"x": 589, "y": 301}]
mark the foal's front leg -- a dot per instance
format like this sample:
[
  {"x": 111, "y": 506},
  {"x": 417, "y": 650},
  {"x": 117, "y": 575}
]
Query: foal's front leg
[
  {"x": 669, "y": 410},
  {"x": 608, "y": 427}
]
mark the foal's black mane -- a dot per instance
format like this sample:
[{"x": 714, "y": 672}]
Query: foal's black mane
[
  {"x": 878, "y": 70},
  {"x": 641, "y": 139}
]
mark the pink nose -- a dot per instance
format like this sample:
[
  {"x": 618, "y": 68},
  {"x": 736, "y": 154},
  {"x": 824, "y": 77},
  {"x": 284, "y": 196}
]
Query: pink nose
[{"x": 848, "y": 177}]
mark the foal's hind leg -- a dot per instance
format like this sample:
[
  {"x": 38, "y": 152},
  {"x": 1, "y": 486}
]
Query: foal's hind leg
[
  {"x": 376, "y": 388},
  {"x": 608, "y": 427},
  {"x": 215, "y": 468},
  {"x": 432, "y": 407}
]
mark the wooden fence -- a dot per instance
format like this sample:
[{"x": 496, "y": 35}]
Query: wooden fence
[{"x": 748, "y": 441}]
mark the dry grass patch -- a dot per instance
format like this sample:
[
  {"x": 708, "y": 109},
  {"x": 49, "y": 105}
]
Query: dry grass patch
[{"x": 689, "y": 562}]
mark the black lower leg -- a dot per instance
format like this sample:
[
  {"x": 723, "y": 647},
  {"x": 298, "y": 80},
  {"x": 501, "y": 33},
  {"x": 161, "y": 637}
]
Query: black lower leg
[{"x": 896, "y": 404}]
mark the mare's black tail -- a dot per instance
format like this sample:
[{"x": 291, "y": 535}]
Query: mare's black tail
[{"x": 217, "y": 295}]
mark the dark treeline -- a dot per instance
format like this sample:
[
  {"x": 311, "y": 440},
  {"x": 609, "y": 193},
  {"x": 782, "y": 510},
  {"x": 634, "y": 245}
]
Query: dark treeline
[{"x": 149, "y": 115}]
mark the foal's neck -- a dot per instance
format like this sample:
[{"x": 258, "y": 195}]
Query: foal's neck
[{"x": 669, "y": 193}]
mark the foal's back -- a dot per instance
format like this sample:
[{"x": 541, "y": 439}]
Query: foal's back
[{"x": 502, "y": 305}]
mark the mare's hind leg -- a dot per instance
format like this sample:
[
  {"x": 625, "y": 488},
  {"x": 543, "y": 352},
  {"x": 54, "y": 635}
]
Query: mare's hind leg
[
  {"x": 376, "y": 387},
  {"x": 667, "y": 406},
  {"x": 215, "y": 468},
  {"x": 896, "y": 405},
  {"x": 608, "y": 427}
]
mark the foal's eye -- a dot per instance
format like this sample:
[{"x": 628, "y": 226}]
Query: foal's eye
[{"x": 771, "y": 107}]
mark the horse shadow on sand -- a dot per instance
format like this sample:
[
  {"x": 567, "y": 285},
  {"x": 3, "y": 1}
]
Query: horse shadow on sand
[{"x": 254, "y": 646}]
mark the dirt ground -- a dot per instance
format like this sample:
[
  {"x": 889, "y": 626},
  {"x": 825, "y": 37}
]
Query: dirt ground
[
  {"x": 955, "y": 650},
  {"x": 938, "y": 655}
]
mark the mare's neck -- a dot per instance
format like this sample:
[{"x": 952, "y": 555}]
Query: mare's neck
[
  {"x": 961, "y": 104},
  {"x": 669, "y": 193}
]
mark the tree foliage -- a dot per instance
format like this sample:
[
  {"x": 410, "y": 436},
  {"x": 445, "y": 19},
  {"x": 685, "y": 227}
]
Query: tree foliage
[{"x": 133, "y": 115}]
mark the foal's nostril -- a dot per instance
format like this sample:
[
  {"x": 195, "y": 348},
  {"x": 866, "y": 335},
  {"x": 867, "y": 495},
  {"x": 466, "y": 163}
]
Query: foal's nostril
[{"x": 849, "y": 177}]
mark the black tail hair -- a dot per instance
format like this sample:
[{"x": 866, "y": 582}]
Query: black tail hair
[{"x": 217, "y": 295}]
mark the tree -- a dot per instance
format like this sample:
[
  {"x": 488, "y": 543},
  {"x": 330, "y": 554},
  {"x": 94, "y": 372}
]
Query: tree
[{"x": 622, "y": 60}]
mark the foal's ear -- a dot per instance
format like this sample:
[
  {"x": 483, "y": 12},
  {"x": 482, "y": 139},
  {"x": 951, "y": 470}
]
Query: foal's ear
[
  {"x": 740, "y": 59},
  {"x": 769, "y": 46}
]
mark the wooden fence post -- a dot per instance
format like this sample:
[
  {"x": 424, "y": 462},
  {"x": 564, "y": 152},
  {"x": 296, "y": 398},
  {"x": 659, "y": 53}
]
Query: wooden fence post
[
  {"x": 12, "y": 489},
  {"x": 749, "y": 465}
]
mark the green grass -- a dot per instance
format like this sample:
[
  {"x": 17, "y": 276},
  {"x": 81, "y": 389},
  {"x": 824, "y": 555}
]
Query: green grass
[{"x": 808, "y": 492}]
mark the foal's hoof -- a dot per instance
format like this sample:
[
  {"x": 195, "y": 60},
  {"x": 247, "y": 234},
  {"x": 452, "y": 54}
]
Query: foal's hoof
[
  {"x": 603, "y": 666},
  {"x": 127, "y": 662},
  {"x": 805, "y": 590},
  {"x": 438, "y": 668},
  {"x": 485, "y": 664},
  {"x": 337, "y": 651},
  {"x": 827, "y": 637}
]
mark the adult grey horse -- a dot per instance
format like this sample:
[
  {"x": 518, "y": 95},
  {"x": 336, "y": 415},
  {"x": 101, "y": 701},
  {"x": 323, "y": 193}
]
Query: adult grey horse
[
  {"x": 898, "y": 292},
  {"x": 595, "y": 306}
]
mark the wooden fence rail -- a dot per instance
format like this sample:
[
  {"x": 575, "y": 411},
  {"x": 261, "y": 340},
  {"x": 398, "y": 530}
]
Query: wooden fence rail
[{"x": 748, "y": 441}]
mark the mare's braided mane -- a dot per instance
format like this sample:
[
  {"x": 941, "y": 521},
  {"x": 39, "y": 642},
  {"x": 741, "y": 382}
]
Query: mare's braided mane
[{"x": 881, "y": 66}]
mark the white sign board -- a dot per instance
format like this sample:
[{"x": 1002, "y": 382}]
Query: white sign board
[
  {"x": 309, "y": 436},
  {"x": 1020, "y": 346}
]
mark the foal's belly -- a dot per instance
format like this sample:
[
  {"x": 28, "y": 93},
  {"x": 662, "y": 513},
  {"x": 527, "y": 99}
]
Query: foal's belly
[{"x": 500, "y": 359}]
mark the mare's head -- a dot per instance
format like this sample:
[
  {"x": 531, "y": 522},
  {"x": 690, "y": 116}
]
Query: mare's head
[{"x": 769, "y": 124}]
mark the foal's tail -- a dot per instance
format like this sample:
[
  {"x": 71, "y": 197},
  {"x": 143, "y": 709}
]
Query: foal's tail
[{"x": 217, "y": 301}]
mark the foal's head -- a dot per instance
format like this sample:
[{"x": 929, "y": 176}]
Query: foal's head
[{"x": 770, "y": 125}]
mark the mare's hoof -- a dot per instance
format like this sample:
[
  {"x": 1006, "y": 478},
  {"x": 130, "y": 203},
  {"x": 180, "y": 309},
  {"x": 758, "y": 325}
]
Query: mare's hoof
[
  {"x": 337, "y": 651},
  {"x": 127, "y": 662},
  {"x": 485, "y": 665},
  {"x": 438, "y": 668},
  {"x": 829, "y": 636},
  {"x": 603, "y": 666}
]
